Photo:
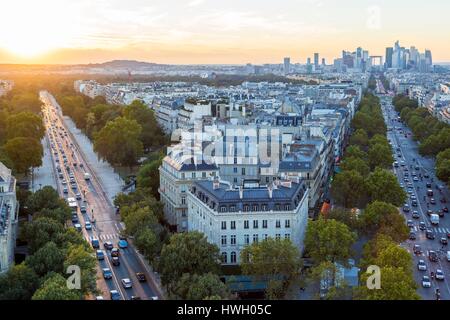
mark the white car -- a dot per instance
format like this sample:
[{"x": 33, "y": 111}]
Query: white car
[
  {"x": 426, "y": 282},
  {"x": 439, "y": 275},
  {"x": 126, "y": 283},
  {"x": 88, "y": 226},
  {"x": 422, "y": 266}
]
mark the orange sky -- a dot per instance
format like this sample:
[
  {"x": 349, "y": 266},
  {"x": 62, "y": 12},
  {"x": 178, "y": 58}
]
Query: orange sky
[{"x": 209, "y": 31}]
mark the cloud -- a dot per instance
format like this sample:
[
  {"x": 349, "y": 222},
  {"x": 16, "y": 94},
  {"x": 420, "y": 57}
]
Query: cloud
[{"x": 195, "y": 3}]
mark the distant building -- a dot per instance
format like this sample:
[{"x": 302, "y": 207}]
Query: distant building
[
  {"x": 388, "y": 59},
  {"x": 287, "y": 65},
  {"x": 9, "y": 209},
  {"x": 233, "y": 218},
  {"x": 316, "y": 61}
]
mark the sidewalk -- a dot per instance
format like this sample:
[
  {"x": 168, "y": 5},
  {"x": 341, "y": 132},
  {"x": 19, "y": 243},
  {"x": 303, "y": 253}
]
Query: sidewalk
[{"x": 44, "y": 175}]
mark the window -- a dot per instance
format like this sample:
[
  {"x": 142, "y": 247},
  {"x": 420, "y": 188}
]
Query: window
[
  {"x": 246, "y": 208},
  {"x": 246, "y": 239},
  {"x": 277, "y": 207},
  {"x": 266, "y": 236},
  {"x": 224, "y": 225},
  {"x": 224, "y": 241},
  {"x": 255, "y": 207},
  {"x": 278, "y": 236},
  {"x": 287, "y": 207},
  {"x": 233, "y": 225},
  {"x": 223, "y": 208},
  {"x": 183, "y": 176},
  {"x": 278, "y": 224},
  {"x": 287, "y": 236},
  {"x": 264, "y": 207},
  {"x": 183, "y": 200},
  {"x": 203, "y": 174},
  {"x": 243, "y": 171},
  {"x": 255, "y": 224},
  {"x": 287, "y": 223},
  {"x": 234, "y": 170},
  {"x": 234, "y": 180},
  {"x": 232, "y": 208},
  {"x": 224, "y": 257},
  {"x": 255, "y": 238},
  {"x": 246, "y": 224},
  {"x": 233, "y": 257},
  {"x": 193, "y": 175},
  {"x": 233, "y": 240},
  {"x": 183, "y": 213},
  {"x": 264, "y": 224}
]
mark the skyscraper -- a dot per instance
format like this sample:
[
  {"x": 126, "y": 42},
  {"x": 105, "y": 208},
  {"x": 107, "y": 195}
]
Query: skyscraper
[
  {"x": 287, "y": 65},
  {"x": 429, "y": 57},
  {"x": 316, "y": 60}
]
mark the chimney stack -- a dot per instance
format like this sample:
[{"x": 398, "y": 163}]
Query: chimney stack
[{"x": 216, "y": 183}]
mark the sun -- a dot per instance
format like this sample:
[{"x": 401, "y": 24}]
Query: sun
[{"x": 32, "y": 28}]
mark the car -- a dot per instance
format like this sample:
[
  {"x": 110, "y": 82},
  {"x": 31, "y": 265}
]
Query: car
[
  {"x": 99, "y": 298},
  {"x": 441, "y": 213},
  {"x": 426, "y": 175},
  {"x": 429, "y": 212},
  {"x": 115, "y": 295},
  {"x": 77, "y": 227},
  {"x": 432, "y": 256},
  {"x": 421, "y": 265},
  {"x": 64, "y": 182},
  {"x": 154, "y": 298},
  {"x": 428, "y": 185},
  {"x": 422, "y": 226},
  {"x": 406, "y": 208},
  {"x": 413, "y": 197},
  {"x": 74, "y": 218},
  {"x": 439, "y": 275},
  {"x": 135, "y": 298},
  {"x": 65, "y": 190},
  {"x": 412, "y": 235},
  {"x": 444, "y": 241},
  {"x": 416, "y": 215},
  {"x": 94, "y": 242},
  {"x": 141, "y": 277},
  {"x": 126, "y": 283},
  {"x": 115, "y": 261},
  {"x": 107, "y": 274},
  {"x": 432, "y": 201},
  {"x": 88, "y": 225},
  {"x": 108, "y": 245},
  {"x": 414, "y": 203},
  {"x": 114, "y": 252},
  {"x": 430, "y": 234},
  {"x": 83, "y": 209},
  {"x": 410, "y": 224},
  {"x": 417, "y": 249},
  {"x": 445, "y": 209},
  {"x": 78, "y": 196},
  {"x": 426, "y": 282},
  {"x": 100, "y": 254},
  {"x": 122, "y": 244}
]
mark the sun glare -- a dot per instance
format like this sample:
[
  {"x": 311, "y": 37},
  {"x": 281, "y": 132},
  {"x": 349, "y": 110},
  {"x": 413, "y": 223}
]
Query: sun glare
[{"x": 32, "y": 28}]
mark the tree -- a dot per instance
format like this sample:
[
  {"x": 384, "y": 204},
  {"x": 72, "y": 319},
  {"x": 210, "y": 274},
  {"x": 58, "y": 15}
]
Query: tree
[
  {"x": 345, "y": 216},
  {"x": 60, "y": 215},
  {"x": 25, "y": 124},
  {"x": 360, "y": 138},
  {"x": 47, "y": 259},
  {"x": 19, "y": 283},
  {"x": 187, "y": 253},
  {"x": 349, "y": 189},
  {"x": 383, "y": 186},
  {"x": 356, "y": 164},
  {"x": 148, "y": 243},
  {"x": 55, "y": 288},
  {"x": 40, "y": 231},
  {"x": 355, "y": 152},
  {"x": 78, "y": 255},
  {"x": 329, "y": 240},
  {"x": 148, "y": 176},
  {"x": 25, "y": 101},
  {"x": 384, "y": 218},
  {"x": 200, "y": 287},
  {"x": 396, "y": 284},
  {"x": 380, "y": 155},
  {"x": 45, "y": 198},
  {"x": 118, "y": 142},
  {"x": 378, "y": 139},
  {"x": 25, "y": 153}
]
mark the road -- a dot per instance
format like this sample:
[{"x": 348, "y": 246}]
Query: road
[
  {"x": 409, "y": 160},
  {"x": 106, "y": 225}
]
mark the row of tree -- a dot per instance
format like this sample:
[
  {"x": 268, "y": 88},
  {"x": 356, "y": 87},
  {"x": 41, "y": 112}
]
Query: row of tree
[
  {"x": 365, "y": 175},
  {"x": 432, "y": 134},
  {"x": 52, "y": 249},
  {"x": 21, "y": 129},
  {"x": 366, "y": 183},
  {"x": 121, "y": 134}
]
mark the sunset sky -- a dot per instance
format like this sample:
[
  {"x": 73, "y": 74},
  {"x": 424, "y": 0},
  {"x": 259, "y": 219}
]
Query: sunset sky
[{"x": 213, "y": 31}]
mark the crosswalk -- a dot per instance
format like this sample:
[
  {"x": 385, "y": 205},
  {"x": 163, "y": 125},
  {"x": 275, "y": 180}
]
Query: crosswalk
[
  {"x": 436, "y": 230},
  {"x": 109, "y": 236}
]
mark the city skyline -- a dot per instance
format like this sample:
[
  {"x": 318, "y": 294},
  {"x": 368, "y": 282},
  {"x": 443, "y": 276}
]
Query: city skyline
[{"x": 203, "y": 32}]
